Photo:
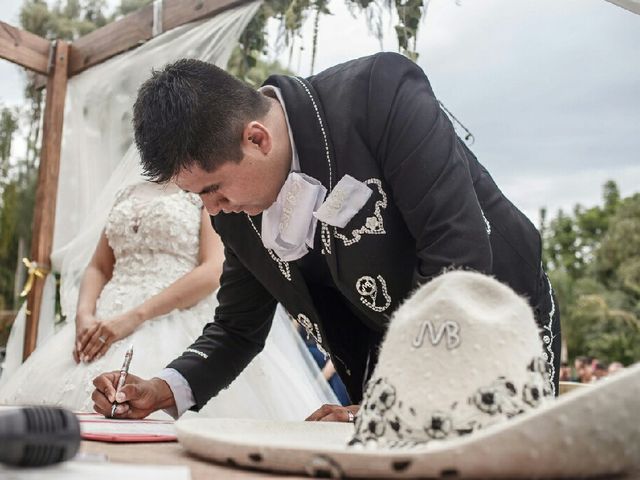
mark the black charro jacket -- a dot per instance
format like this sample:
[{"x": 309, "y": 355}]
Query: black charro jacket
[{"x": 433, "y": 207}]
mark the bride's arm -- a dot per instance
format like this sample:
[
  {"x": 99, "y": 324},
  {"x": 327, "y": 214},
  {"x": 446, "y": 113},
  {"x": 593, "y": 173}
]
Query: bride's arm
[
  {"x": 95, "y": 276},
  {"x": 183, "y": 293}
]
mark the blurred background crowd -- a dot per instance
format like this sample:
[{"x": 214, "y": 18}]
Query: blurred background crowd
[{"x": 588, "y": 370}]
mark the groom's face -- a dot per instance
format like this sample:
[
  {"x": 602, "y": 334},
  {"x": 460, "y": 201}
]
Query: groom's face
[{"x": 249, "y": 186}]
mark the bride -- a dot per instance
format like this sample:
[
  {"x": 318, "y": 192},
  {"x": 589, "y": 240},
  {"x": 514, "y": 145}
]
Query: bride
[{"x": 151, "y": 284}]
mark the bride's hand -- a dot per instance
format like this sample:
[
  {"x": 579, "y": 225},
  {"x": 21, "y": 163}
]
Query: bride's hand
[
  {"x": 104, "y": 333},
  {"x": 84, "y": 323}
]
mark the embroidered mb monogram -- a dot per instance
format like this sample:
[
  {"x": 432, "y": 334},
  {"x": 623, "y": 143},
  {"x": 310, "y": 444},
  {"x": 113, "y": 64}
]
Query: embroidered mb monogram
[{"x": 449, "y": 329}]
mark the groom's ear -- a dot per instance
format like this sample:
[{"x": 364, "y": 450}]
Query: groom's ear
[{"x": 257, "y": 135}]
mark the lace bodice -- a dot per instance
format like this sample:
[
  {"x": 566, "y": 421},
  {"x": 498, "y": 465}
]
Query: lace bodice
[{"x": 155, "y": 240}]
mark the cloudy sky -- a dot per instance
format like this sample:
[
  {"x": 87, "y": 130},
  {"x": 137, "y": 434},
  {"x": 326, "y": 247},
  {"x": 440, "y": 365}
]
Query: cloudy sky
[
  {"x": 10, "y": 77},
  {"x": 549, "y": 88}
]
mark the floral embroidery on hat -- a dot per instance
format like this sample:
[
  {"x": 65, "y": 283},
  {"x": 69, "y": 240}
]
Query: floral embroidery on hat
[
  {"x": 531, "y": 394},
  {"x": 385, "y": 421},
  {"x": 439, "y": 426}
]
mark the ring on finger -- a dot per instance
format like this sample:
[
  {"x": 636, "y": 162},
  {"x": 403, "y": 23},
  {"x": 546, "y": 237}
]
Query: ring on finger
[
  {"x": 102, "y": 339},
  {"x": 351, "y": 417}
]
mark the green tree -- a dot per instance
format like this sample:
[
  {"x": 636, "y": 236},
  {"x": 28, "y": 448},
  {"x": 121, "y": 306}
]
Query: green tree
[
  {"x": 8, "y": 127},
  {"x": 66, "y": 20},
  {"x": 618, "y": 258},
  {"x": 16, "y": 203},
  {"x": 593, "y": 259},
  {"x": 18, "y": 199},
  {"x": 604, "y": 332},
  {"x": 571, "y": 240}
]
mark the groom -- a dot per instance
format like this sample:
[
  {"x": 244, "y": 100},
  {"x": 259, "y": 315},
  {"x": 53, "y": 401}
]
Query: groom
[{"x": 336, "y": 196}]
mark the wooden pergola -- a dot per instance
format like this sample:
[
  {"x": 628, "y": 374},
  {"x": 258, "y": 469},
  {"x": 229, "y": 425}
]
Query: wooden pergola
[{"x": 59, "y": 60}]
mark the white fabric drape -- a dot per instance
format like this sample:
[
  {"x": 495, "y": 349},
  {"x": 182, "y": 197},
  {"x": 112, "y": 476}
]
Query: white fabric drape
[{"x": 98, "y": 155}]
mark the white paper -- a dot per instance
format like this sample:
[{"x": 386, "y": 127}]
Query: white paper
[{"x": 99, "y": 425}]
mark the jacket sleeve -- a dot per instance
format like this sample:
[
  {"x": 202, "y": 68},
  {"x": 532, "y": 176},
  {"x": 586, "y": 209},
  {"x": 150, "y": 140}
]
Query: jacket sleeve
[
  {"x": 425, "y": 165},
  {"x": 241, "y": 324}
]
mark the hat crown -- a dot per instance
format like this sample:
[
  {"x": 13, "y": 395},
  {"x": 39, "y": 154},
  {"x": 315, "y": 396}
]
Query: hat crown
[{"x": 462, "y": 353}]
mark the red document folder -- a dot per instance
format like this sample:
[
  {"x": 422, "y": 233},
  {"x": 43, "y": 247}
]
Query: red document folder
[{"x": 94, "y": 426}]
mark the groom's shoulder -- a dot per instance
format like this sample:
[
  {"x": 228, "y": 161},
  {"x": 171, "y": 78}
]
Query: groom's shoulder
[{"x": 369, "y": 65}]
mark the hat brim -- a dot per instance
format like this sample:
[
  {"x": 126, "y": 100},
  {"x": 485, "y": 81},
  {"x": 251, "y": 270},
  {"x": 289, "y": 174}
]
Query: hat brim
[{"x": 588, "y": 432}]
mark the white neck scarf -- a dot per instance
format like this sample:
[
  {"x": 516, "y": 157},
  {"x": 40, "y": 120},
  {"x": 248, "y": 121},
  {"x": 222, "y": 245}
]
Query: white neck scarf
[{"x": 289, "y": 226}]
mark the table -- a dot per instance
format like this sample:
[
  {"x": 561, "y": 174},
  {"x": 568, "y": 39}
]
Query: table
[{"x": 171, "y": 453}]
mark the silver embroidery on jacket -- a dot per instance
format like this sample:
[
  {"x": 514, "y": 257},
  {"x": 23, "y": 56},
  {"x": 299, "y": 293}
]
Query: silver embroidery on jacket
[
  {"x": 374, "y": 225},
  {"x": 197, "y": 352},
  {"x": 487, "y": 225},
  {"x": 368, "y": 289},
  {"x": 324, "y": 133},
  {"x": 548, "y": 338},
  {"x": 312, "y": 331},
  {"x": 282, "y": 265},
  {"x": 326, "y": 250},
  {"x": 325, "y": 236}
]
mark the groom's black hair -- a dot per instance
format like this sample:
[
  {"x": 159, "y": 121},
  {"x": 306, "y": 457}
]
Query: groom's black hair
[{"x": 192, "y": 113}]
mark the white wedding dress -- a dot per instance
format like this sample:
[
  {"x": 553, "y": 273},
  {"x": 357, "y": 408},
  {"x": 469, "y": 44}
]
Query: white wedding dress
[{"x": 155, "y": 241}]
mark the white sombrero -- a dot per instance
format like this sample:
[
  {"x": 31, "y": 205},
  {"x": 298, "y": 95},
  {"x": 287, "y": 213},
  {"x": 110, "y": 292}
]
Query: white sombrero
[{"x": 461, "y": 390}]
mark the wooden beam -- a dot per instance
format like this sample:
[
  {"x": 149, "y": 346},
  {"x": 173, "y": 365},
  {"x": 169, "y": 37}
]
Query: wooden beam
[
  {"x": 47, "y": 189},
  {"x": 116, "y": 37},
  {"x": 136, "y": 28},
  {"x": 24, "y": 48}
]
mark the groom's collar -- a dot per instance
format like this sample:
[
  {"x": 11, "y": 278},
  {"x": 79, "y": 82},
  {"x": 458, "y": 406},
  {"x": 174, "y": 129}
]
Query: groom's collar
[
  {"x": 275, "y": 92},
  {"x": 308, "y": 126}
]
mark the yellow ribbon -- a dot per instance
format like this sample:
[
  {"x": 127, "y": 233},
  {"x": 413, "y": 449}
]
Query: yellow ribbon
[{"x": 34, "y": 270}]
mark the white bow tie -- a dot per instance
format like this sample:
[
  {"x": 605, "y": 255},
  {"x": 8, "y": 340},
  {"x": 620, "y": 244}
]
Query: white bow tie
[{"x": 289, "y": 225}]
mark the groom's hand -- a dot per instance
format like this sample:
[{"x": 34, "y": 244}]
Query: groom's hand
[
  {"x": 137, "y": 398},
  {"x": 334, "y": 413}
]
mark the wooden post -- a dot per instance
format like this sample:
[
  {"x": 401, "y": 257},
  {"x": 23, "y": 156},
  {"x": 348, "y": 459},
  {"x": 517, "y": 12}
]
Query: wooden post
[{"x": 47, "y": 189}]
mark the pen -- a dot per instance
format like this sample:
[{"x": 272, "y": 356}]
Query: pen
[{"x": 123, "y": 375}]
